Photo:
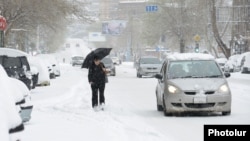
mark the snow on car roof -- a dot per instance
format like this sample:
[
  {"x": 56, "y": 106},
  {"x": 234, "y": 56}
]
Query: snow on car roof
[
  {"x": 190, "y": 56},
  {"x": 12, "y": 52}
]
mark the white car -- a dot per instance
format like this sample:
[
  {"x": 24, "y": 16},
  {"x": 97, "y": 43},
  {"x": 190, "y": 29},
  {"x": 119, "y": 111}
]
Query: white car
[
  {"x": 192, "y": 82},
  {"x": 20, "y": 94},
  {"x": 231, "y": 64},
  {"x": 26, "y": 105},
  {"x": 243, "y": 62},
  {"x": 11, "y": 122},
  {"x": 43, "y": 71},
  {"x": 53, "y": 63}
]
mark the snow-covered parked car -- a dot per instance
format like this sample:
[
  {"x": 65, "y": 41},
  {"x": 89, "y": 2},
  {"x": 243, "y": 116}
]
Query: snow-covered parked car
[
  {"x": 26, "y": 104},
  {"x": 11, "y": 122},
  {"x": 16, "y": 64},
  {"x": 44, "y": 72},
  {"x": 231, "y": 64},
  {"x": 243, "y": 62},
  {"x": 53, "y": 63},
  {"x": 20, "y": 94},
  {"x": 192, "y": 82}
]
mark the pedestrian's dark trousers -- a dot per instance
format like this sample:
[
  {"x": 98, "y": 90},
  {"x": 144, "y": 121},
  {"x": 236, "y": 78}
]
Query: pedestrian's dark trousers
[{"x": 95, "y": 88}]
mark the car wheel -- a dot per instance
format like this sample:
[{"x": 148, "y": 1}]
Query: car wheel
[
  {"x": 226, "y": 113},
  {"x": 166, "y": 113},
  {"x": 139, "y": 75},
  {"x": 159, "y": 107}
]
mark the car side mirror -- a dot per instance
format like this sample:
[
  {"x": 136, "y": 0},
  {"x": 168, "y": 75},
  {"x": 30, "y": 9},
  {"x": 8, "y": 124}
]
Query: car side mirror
[
  {"x": 227, "y": 74},
  {"x": 158, "y": 76}
]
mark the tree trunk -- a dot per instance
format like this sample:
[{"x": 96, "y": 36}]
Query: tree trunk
[{"x": 221, "y": 44}]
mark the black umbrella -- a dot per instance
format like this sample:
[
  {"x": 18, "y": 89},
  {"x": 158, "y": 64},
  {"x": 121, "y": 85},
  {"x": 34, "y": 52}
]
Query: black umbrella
[{"x": 99, "y": 52}]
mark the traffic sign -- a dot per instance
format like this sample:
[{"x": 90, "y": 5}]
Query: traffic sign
[
  {"x": 197, "y": 38},
  {"x": 151, "y": 8},
  {"x": 3, "y": 23}
]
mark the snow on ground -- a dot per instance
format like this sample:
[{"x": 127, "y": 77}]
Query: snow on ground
[{"x": 63, "y": 110}]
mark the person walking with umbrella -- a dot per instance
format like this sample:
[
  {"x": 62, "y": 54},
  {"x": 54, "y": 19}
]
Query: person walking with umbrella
[{"x": 97, "y": 75}]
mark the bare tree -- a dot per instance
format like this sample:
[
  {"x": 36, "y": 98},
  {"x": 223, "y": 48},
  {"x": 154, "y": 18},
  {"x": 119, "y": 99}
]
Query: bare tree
[
  {"x": 51, "y": 17},
  {"x": 217, "y": 36}
]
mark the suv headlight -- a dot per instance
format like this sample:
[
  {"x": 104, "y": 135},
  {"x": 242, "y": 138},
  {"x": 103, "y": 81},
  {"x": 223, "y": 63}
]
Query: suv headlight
[
  {"x": 172, "y": 89},
  {"x": 223, "y": 89}
]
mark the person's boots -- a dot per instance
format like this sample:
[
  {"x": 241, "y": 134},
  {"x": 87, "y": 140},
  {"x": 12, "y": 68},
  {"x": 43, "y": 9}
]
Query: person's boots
[{"x": 102, "y": 106}]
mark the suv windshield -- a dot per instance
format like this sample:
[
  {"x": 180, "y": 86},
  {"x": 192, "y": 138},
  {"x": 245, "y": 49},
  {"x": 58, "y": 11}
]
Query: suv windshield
[
  {"x": 194, "y": 69},
  {"x": 150, "y": 61}
]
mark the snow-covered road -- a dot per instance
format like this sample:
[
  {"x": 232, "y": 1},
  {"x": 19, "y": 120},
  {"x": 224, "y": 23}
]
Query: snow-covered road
[{"x": 63, "y": 110}]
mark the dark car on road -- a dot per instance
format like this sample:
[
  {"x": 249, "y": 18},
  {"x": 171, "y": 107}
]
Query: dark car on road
[
  {"x": 108, "y": 63},
  {"x": 77, "y": 60}
]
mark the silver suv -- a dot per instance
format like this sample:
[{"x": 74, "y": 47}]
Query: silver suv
[
  {"x": 148, "y": 66},
  {"x": 77, "y": 60},
  {"x": 108, "y": 63},
  {"x": 192, "y": 82}
]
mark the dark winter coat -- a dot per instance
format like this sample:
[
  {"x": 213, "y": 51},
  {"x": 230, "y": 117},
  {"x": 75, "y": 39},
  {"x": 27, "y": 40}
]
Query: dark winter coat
[{"x": 96, "y": 74}]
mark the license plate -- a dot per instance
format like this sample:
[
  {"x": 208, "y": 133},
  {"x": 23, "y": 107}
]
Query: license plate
[{"x": 200, "y": 100}]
